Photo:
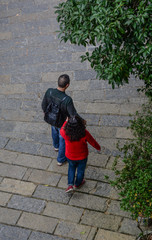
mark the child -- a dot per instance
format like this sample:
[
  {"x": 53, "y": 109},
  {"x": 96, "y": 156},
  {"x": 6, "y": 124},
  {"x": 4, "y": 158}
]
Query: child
[{"x": 76, "y": 149}]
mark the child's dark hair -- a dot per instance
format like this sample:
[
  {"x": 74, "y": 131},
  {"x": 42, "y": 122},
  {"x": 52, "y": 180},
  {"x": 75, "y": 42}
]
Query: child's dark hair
[{"x": 75, "y": 128}]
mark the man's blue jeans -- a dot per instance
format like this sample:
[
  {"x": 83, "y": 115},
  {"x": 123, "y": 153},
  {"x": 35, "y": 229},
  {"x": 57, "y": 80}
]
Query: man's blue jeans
[
  {"x": 58, "y": 142},
  {"x": 80, "y": 165}
]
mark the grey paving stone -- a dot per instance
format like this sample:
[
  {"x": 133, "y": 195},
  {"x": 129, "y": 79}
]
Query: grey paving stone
[
  {"x": 107, "y": 235},
  {"x": 3, "y": 142},
  {"x": 10, "y": 104},
  {"x": 103, "y": 108},
  {"x": 105, "y": 190},
  {"x": 38, "y": 222},
  {"x": 103, "y": 132},
  {"x": 25, "y": 78},
  {"x": 95, "y": 173},
  {"x": 7, "y": 170},
  {"x": 96, "y": 159},
  {"x": 114, "y": 209},
  {"x": 43, "y": 177},
  {"x": 92, "y": 119},
  {"x": 44, "y": 236},
  {"x": 9, "y": 216},
  {"x": 6, "y": 126},
  {"x": 46, "y": 151},
  {"x": 99, "y": 84},
  {"x": 64, "y": 212},
  {"x": 116, "y": 120},
  {"x": 23, "y": 146},
  {"x": 73, "y": 230},
  {"x": 129, "y": 226},
  {"x": 84, "y": 75},
  {"x": 4, "y": 79},
  {"x": 17, "y": 186},
  {"x": 4, "y": 197},
  {"x": 26, "y": 204},
  {"x": 13, "y": 233},
  {"x": 39, "y": 137},
  {"x": 88, "y": 201},
  {"x": 32, "y": 161},
  {"x": 52, "y": 194},
  {"x": 101, "y": 220}
]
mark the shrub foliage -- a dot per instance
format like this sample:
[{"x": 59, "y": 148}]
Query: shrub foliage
[{"x": 120, "y": 30}]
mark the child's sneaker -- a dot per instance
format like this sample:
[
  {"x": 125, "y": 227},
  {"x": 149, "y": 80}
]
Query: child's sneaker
[
  {"x": 83, "y": 181},
  {"x": 69, "y": 189}
]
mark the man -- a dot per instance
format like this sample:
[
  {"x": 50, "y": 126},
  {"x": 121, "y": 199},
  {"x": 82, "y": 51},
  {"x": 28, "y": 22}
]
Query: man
[{"x": 67, "y": 110}]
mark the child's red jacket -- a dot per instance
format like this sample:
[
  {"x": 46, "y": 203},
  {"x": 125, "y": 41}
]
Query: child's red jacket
[{"x": 78, "y": 150}]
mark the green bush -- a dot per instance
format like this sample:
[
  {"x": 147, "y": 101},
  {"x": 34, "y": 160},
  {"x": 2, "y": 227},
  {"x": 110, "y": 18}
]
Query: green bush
[
  {"x": 134, "y": 181},
  {"x": 121, "y": 32}
]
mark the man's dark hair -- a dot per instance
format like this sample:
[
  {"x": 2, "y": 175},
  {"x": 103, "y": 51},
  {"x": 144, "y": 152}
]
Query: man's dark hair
[{"x": 63, "y": 80}]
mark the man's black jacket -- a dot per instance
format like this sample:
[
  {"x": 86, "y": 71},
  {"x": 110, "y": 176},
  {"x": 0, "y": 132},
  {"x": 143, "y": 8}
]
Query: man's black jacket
[{"x": 67, "y": 106}]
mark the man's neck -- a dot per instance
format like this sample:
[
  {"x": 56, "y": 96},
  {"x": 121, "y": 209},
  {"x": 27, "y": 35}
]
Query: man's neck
[{"x": 61, "y": 89}]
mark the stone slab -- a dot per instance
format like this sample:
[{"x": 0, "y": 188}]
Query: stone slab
[
  {"x": 115, "y": 120},
  {"x": 38, "y": 222},
  {"x": 9, "y": 216},
  {"x": 129, "y": 226},
  {"x": 8, "y": 156},
  {"x": 4, "y": 79},
  {"x": 13, "y": 89},
  {"x": 95, "y": 173},
  {"x": 105, "y": 190},
  {"x": 73, "y": 230},
  {"x": 109, "y": 235},
  {"x": 26, "y": 204},
  {"x": 13, "y": 233},
  {"x": 64, "y": 212},
  {"x": 33, "y": 161},
  {"x": 101, "y": 220},
  {"x": 44, "y": 177},
  {"x": 103, "y": 108},
  {"x": 44, "y": 236},
  {"x": 114, "y": 209},
  {"x": 95, "y": 159},
  {"x": 52, "y": 194},
  {"x": 16, "y": 186},
  {"x": 124, "y": 133},
  {"x": 4, "y": 198},
  {"x": 9, "y": 170},
  {"x": 88, "y": 201},
  {"x": 23, "y": 146}
]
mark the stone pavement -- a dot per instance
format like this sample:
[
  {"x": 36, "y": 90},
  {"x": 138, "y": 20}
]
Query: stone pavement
[{"x": 33, "y": 202}]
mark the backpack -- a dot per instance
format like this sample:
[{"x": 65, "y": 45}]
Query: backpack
[{"x": 53, "y": 112}]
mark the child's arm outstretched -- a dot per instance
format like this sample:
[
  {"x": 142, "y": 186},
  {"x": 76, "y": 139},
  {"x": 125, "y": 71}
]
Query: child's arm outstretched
[{"x": 92, "y": 141}]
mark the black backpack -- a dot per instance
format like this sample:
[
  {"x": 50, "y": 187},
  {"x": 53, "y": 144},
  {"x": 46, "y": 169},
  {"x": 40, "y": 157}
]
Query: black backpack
[{"x": 53, "y": 112}]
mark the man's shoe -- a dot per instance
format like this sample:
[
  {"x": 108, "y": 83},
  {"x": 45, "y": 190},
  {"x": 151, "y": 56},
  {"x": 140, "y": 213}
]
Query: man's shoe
[
  {"x": 69, "y": 189},
  {"x": 59, "y": 163},
  {"x": 83, "y": 181},
  {"x": 56, "y": 149}
]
